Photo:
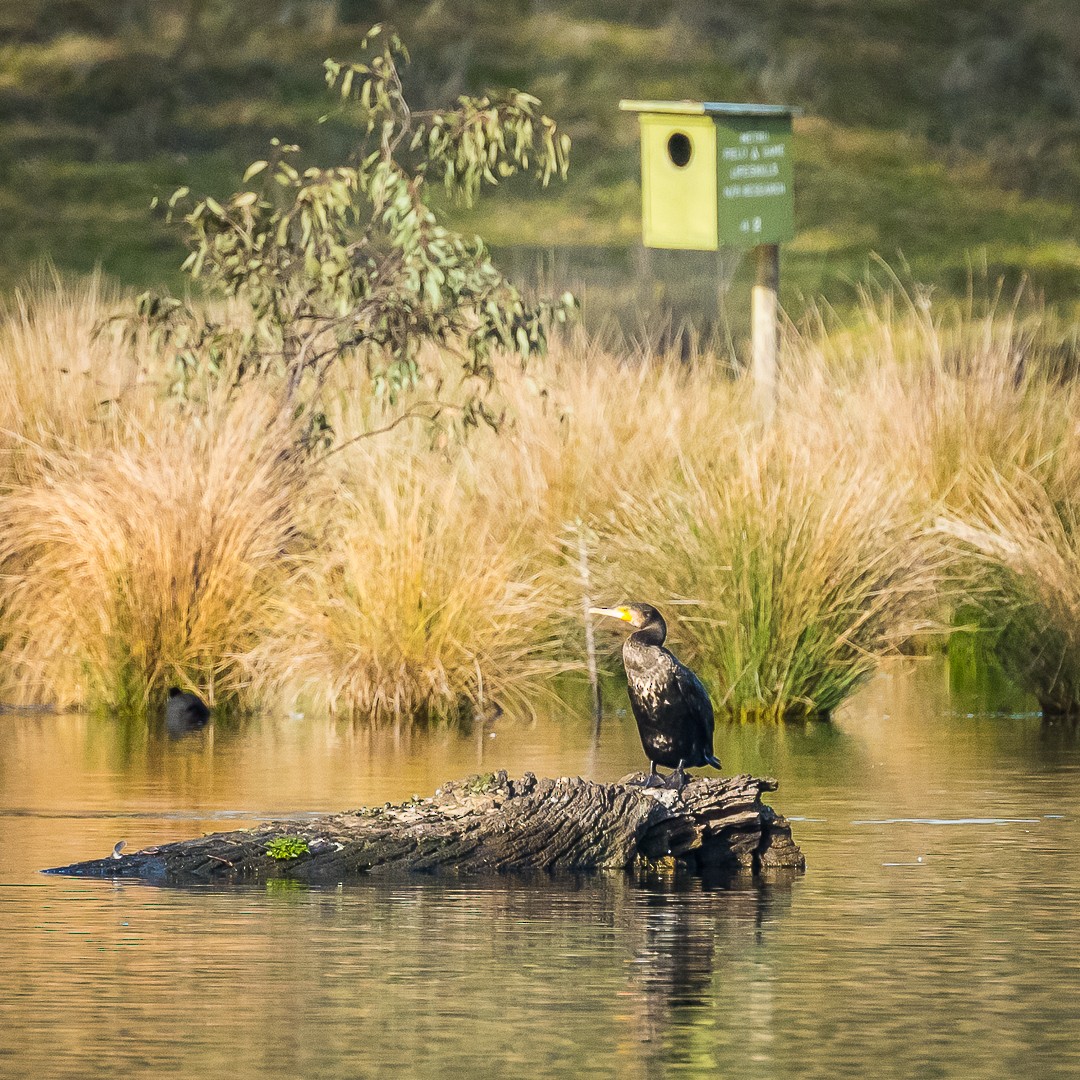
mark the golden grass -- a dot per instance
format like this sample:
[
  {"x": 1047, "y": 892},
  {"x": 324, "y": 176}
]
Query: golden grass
[
  {"x": 130, "y": 568},
  {"x": 605, "y": 427},
  {"x": 421, "y": 598},
  {"x": 1022, "y": 536},
  {"x": 66, "y": 379},
  {"x": 147, "y": 543},
  {"x": 941, "y": 392},
  {"x": 798, "y": 566}
]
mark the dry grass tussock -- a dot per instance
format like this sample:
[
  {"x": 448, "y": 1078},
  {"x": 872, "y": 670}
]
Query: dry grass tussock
[
  {"x": 67, "y": 380},
  {"x": 147, "y": 543},
  {"x": 422, "y": 598},
  {"x": 796, "y": 567},
  {"x": 980, "y": 413},
  {"x": 603, "y": 427},
  {"x": 941, "y": 392},
  {"x": 1021, "y": 543},
  {"x": 127, "y": 568}
]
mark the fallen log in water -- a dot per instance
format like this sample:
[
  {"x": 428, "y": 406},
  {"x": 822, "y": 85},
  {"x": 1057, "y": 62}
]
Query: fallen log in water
[{"x": 489, "y": 824}]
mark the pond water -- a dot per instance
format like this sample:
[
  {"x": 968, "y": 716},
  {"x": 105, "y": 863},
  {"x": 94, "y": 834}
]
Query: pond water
[{"x": 935, "y": 933}]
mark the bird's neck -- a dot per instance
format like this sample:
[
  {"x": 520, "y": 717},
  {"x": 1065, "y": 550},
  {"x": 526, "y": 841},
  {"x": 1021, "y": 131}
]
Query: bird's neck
[{"x": 652, "y": 633}]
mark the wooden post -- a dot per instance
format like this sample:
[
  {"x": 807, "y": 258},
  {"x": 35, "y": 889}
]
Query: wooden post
[{"x": 765, "y": 332}]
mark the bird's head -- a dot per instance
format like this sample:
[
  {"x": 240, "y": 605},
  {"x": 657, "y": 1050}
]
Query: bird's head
[{"x": 637, "y": 615}]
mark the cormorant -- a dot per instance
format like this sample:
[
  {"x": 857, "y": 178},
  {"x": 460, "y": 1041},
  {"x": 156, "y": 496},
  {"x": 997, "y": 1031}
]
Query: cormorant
[
  {"x": 672, "y": 708},
  {"x": 184, "y": 711}
]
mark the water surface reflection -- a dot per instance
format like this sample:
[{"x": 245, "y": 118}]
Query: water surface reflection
[{"x": 932, "y": 935}]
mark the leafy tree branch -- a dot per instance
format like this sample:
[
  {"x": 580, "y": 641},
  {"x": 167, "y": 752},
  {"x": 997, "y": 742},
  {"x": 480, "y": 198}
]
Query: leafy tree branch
[{"x": 349, "y": 263}]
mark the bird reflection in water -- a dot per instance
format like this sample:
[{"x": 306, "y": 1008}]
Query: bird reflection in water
[{"x": 685, "y": 945}]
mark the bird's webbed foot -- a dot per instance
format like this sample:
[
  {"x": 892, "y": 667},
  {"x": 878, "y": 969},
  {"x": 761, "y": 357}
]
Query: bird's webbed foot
[
  {"x": 677, "y": 779},
  {"x": 651, "y": 779}
]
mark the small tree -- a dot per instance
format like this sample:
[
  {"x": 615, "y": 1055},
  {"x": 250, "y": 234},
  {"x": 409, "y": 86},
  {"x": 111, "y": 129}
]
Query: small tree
[{"x": 350, "y": 261}]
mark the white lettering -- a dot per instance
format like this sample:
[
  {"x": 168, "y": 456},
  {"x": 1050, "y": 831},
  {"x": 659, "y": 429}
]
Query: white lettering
[
  {"x": 754, "y": 191},
  {"x": 753, "y": 136},
  {"x": 755, "y": 172},
  {"x": 735, "y": 153},
  {"x": 773, "y": 150}
]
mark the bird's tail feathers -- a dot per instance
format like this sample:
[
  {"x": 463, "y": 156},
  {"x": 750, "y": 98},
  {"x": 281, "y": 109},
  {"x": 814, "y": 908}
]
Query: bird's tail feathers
[{"x": 713, "y": 761}]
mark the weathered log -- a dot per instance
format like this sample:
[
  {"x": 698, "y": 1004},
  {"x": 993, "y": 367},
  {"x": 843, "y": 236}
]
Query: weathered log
[{"x": 490, "y": 824}]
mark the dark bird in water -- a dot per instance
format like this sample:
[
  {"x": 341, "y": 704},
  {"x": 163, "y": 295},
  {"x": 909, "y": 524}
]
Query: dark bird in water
[
  {"x": 672, "y": 708},
  {"x": 184, "y": 711}
]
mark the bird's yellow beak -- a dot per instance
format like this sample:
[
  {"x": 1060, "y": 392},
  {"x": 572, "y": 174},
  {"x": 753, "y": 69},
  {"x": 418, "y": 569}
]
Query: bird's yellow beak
[{"x": 615, "y": 612}]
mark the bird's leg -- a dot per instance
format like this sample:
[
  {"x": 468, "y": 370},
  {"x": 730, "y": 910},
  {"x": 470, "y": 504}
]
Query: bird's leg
[
  {"x": 654, "y": 779},
  {"x": 678, "y": 778}
]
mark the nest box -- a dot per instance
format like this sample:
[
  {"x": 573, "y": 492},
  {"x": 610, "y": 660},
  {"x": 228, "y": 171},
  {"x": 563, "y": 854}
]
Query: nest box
[{"x": 714, "y": 173}]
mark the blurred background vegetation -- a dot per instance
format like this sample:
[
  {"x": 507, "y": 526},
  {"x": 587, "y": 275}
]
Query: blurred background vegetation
[{"x": 944, "y": 139}]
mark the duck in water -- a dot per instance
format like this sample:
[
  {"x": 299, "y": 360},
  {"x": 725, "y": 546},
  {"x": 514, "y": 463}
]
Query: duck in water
[
  {"x": 672, "y": 708},
  {"x": 184, "y": 711}
]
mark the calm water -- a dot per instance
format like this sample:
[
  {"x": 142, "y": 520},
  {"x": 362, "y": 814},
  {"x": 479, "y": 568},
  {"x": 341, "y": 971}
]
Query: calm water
[{"x": 936, "y": 931}]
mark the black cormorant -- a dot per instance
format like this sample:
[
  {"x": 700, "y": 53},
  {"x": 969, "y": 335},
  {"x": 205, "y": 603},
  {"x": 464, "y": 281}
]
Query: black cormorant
[
  {"x": 184, "y": 711},
  {"x": 672, "y": 708}
]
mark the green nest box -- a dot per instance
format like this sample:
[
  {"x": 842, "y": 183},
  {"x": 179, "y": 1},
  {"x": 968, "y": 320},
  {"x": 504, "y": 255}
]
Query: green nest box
[{"x": 714, "y": 173}]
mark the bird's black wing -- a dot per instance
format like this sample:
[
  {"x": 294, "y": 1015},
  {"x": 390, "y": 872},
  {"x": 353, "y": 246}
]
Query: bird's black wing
[{"x": 696, "y": 699}]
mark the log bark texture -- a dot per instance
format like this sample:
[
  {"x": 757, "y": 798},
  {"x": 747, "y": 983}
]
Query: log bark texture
[{"x": 491, "y": 824}]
